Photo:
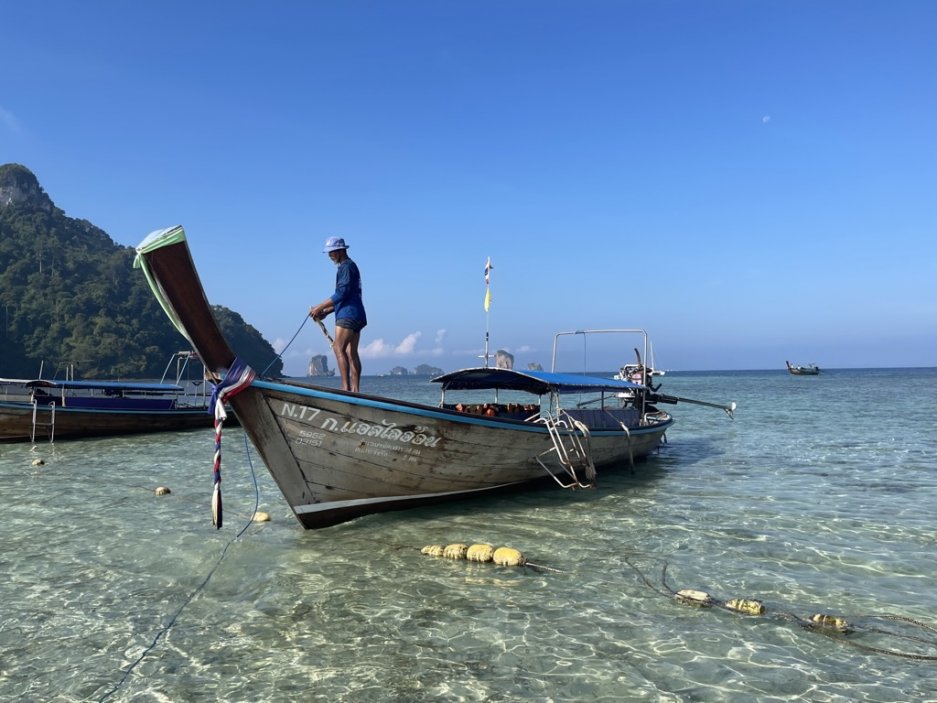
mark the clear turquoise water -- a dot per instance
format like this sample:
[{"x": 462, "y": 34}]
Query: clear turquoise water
[{"x": 819, "y": 497}]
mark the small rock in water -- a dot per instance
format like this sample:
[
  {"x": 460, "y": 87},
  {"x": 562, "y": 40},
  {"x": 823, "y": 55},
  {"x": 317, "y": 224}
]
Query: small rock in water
[
  {"x": 162, "y": 491},
  {"x": 261, "y": 516},
  {"x": 38, "y": 462}
]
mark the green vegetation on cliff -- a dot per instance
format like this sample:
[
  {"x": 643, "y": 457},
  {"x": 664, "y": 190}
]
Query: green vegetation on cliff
[{"x": 70, "y": 295}]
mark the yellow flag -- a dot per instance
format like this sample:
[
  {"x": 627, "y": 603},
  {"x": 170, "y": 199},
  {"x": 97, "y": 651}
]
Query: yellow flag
[{"x": 487, "y": 299}]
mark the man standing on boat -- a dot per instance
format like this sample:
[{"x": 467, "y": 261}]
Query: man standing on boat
[{"x": 348, "y": 307}]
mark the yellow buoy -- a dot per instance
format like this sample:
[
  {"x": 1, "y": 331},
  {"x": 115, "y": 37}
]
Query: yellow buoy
[
  {"x": 508, "y": 556},
  {"x": 261, "y": 516},
  {"x": 433, "y": 550},
  {"x": 700, "y": 599},
  {"x": 830, "y": 622},
  {"x": 162, "y": 491},
  {"x": 480, "y": 552},
  {"x": 746, "y": 606},
  {"x": 455, "y": 551}
]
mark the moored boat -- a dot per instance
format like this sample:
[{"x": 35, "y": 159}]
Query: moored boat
[
  {"x": 44, "y": 409},
  {"x": 807, "y": 370},
  {"x": 337, "y": 455}
]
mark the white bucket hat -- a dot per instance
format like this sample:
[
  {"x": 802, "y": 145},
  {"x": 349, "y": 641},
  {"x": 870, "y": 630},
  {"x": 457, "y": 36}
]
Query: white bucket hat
[{"x": 334, "y": 244}]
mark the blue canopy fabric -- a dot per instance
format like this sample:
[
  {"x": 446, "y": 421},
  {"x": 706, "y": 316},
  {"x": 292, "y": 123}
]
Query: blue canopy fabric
[{"x": 536, "y": 382}]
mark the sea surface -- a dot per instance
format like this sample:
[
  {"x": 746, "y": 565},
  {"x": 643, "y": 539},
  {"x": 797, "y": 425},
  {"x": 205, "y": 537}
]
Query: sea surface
[{"x": 819, "y": 498}]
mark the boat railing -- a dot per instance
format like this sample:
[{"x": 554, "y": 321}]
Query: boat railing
[
  {"x": 641, "y": 370},
  {"x": 196, "y": 391}
]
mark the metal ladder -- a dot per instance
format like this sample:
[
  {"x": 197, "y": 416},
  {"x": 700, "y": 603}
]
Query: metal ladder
[
  {"x": 567, "y": 435},
  {"x": 36, "y": 422}
]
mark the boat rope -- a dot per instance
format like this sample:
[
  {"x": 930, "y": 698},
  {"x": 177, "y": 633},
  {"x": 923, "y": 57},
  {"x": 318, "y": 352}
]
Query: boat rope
[
  {"x": 283, "y": 350},
  {"x": 238, "y": 377},
  {"x": 627, "y": 432},
  {"x": 198, "y": 589},
  {"x": 326, "y": 333},
  {"x": 835, "y": 627}
]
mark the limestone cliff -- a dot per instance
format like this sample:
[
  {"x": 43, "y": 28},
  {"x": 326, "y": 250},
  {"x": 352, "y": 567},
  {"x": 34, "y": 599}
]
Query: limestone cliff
[
  {"x": 319, "y": 366},
  {"x": 19, "y": 185},
  {"x": 504, "y": 359}
]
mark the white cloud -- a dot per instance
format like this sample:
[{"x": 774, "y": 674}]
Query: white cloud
[
  {"x": 766, "y": 119},
  {"x": 440, "y": 336},
  {"x": 379, "y": 349},
  {"x": 408, "y": 344}
]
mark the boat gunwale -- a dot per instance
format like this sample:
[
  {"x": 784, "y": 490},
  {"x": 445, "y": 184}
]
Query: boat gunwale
[
  {"x": 91, "y": 385},
  {"x": 71, "y": 409},
  {"x": 429, "y": 411}
]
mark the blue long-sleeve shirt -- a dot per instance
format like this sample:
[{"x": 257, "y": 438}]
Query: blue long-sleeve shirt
[{"x": 347, "y": 296}]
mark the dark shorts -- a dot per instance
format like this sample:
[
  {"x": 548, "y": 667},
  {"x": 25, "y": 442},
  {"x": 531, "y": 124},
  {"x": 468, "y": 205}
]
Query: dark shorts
[{"x": 350, "y": 324}]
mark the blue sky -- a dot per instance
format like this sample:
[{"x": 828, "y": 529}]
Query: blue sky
[{"x": 750, "y": 181}]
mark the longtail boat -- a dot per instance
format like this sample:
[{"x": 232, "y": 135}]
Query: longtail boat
[
  {"x": 50, "y": 409},
  {"x": 806, "y": 370},
  {"x": 337, "y": 455}
]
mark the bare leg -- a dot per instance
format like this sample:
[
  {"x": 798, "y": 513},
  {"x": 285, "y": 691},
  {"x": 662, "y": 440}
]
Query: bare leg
[
  {"x": 346, "y": 356},
  {"x": 354, "y": 361}
]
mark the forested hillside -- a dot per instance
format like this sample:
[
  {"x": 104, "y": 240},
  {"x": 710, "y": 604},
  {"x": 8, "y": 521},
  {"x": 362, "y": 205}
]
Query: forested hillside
[{"x": 69, "y": 295}]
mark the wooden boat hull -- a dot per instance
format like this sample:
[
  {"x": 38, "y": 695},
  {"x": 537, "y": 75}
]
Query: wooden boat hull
[
  {"x": 16, "y": 422},
  {"x": 335, "y": 456}
]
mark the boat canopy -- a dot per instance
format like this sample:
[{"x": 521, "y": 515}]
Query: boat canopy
[
  {"x": 107, "y": 386},
  {"x": 536, "y": 382}
]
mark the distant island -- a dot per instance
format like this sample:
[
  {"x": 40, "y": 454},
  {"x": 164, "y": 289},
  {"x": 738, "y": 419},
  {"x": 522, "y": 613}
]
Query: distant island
[
  {"x": 319, "y": 366},
  {"x": 421, "y": 370},
  {"x": 504, "y": 359}
]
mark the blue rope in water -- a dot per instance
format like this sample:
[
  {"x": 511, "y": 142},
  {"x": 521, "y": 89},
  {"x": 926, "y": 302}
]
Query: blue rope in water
[
  {"x": 198, "y": 589},
  {"x": 250, "y": 463}
]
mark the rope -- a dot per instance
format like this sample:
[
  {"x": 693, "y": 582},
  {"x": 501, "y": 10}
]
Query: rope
[
  {"x": 238, "y": 378},
  {"x": 841, "y": 636},
  {"x": 198, "y": 589},
  {"x": 292, "y": 339},
  {"x": 835, "y": 628}
]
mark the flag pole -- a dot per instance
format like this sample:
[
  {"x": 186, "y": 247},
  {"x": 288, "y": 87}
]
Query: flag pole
[{"x": 488, "y": 268}]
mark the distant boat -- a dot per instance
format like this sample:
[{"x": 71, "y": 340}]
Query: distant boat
[
  {"x": 337, "y": 455},
  {"x": 639, "y": 372},
  {"x": 808, "y": 370},
  {"x": 32, "y": 409}
]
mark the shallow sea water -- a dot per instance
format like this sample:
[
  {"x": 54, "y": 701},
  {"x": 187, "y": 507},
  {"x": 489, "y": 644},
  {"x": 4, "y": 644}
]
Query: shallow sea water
[{"x": 818, "y": 498}]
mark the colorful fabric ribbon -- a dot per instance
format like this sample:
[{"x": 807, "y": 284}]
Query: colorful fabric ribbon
[{"x": 238, "y": 378}]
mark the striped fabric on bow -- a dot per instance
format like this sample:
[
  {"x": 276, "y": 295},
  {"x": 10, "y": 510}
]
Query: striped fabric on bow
[{"x": 238, "y": 377}]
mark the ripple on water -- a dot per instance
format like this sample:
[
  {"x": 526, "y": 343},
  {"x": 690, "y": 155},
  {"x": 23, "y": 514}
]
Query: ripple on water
[{"x": 801, "y": 509}]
